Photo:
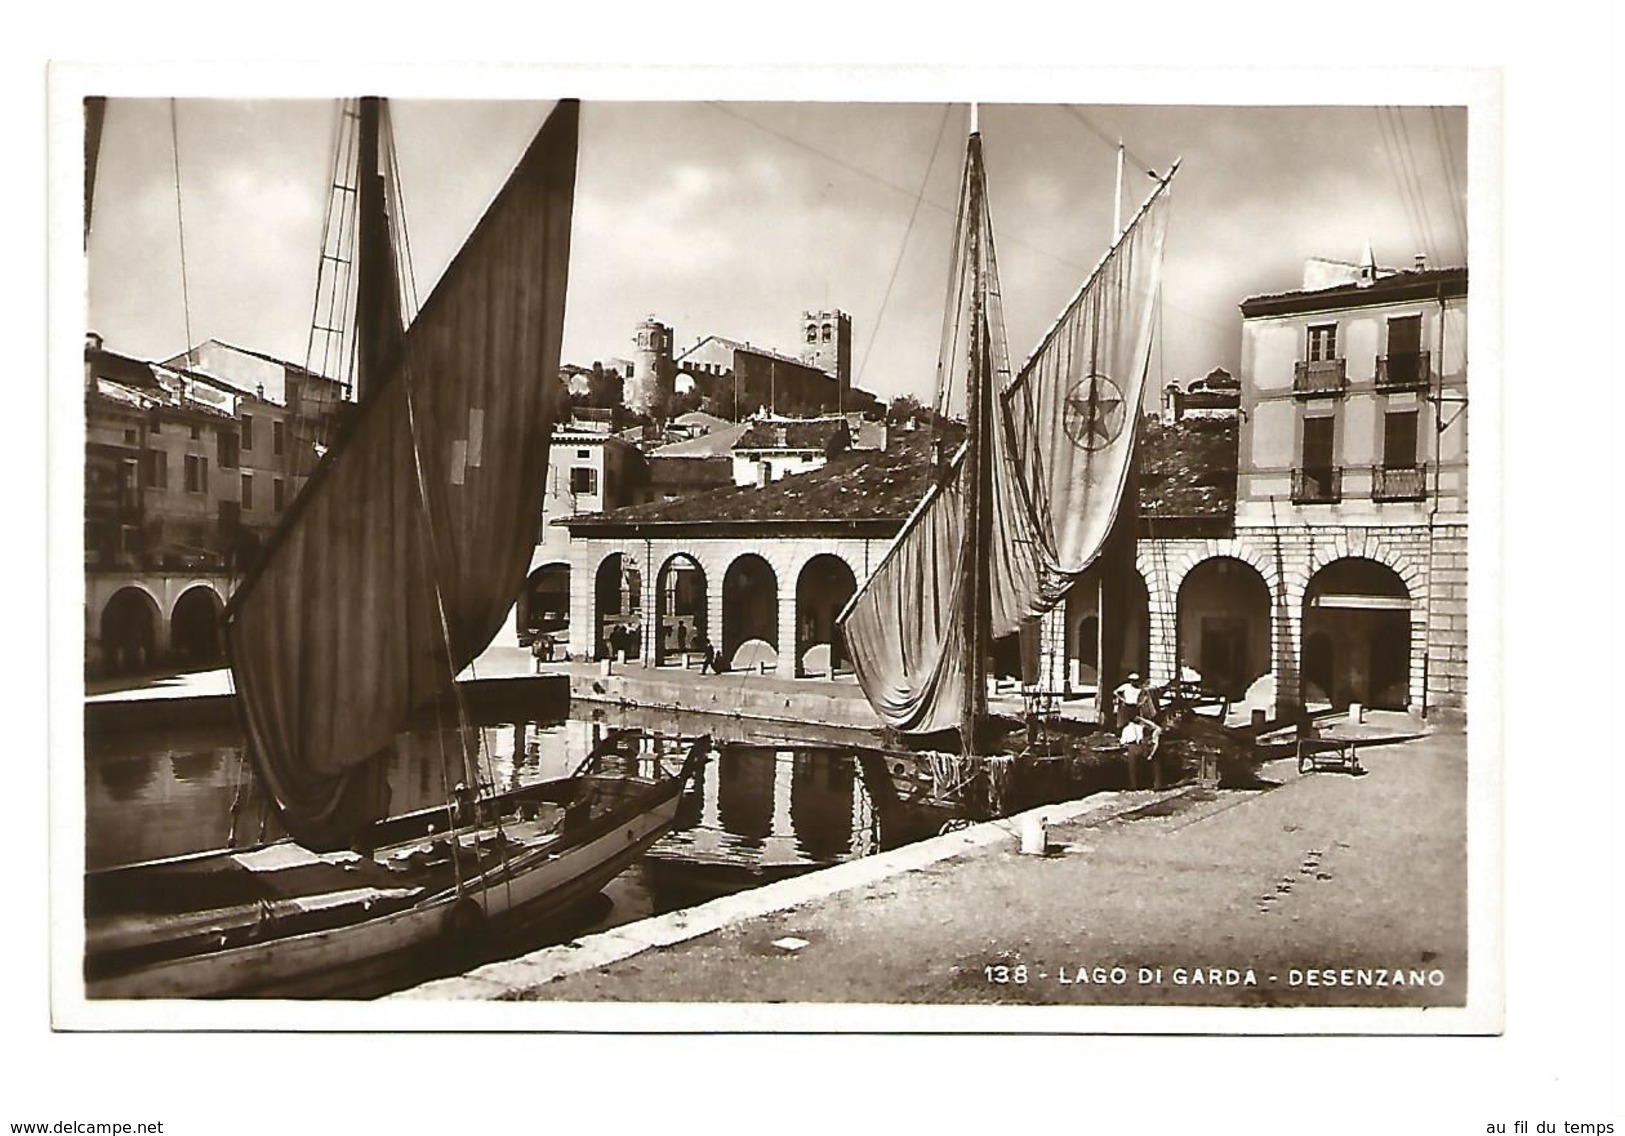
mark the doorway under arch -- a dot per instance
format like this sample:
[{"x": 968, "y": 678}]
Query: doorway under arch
[
  {"x": 1223, "y": 624},
  {"x": 750, "y": 612},
  {"x": 1356, "y": 636},
  {"x": 617, "y": 609},
  {"x": 823, "y": 588},
  {"x": 129, "y": 632},
  {"x": 680, "y": 602},
  {"x": 543, "y": 607},
  {"x": 195, "y": 625}
]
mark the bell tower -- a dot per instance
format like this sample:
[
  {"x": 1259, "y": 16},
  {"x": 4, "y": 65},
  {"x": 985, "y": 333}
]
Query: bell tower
[{"x": 826, "y": 337}]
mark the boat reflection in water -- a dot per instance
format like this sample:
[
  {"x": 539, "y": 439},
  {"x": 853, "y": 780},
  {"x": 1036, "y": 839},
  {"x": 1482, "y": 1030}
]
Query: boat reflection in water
[{"x": 756, "y": 812}]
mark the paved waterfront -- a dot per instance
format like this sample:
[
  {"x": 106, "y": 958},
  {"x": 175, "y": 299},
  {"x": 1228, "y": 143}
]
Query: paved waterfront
[{"x": 1326, "y": 871}]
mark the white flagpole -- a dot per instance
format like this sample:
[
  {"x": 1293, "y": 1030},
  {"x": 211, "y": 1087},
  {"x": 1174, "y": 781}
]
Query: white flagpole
[{"x": 1117, "y": 211}]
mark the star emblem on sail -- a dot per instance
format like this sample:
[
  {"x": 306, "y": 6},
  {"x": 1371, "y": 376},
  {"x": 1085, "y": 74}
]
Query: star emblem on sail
[
  {"x": 1052, "y": 470},
  {"x": 1094, "y": 412}
]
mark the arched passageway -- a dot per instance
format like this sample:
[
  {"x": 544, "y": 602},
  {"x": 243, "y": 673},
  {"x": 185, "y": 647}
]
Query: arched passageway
[
  {"x": 543, "y": 607},
  {"x": 1356, "y": 636},
  {"x": 617, "y": 609},
  {"x": 1223, "y": 618},
  {"x": 1083, "y": 630},
  {"x": 825, "y": 585},
  {"x": 680, "y": 601},
  {"x": 750, "y": 612},
  {"x": 196, "y": 624},
  {"x": 129, "y": 632}
]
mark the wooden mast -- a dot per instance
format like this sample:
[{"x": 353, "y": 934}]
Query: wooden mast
[
  {"x": 377, "y": 298},
  {"x": 976, "y": 595}
]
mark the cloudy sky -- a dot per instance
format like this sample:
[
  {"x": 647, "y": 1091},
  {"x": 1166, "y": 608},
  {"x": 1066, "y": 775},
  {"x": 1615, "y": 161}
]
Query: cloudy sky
[{"x": 729, "y": 218}]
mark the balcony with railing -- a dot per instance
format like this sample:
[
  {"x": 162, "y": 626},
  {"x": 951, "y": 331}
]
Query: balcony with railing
[
  {"x": 1319, "y": 377},
  {"x": 1408, "y": 370},
  {"x": 1398, "y": 483},
  {"x": 1317, "y": 486}
]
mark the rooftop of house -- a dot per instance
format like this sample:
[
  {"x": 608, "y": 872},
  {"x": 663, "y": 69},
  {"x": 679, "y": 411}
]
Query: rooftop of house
[
  {"x": 716, "y": 443},
  {"x": 862, "y": 485},
  {"x": 740, "y": 345},
  {"x": 1186, "y": 470},
  {"x": 818, "y": 434},
  {"x": 1414, "y": 284}
]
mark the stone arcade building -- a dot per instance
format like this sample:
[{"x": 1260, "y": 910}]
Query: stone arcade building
[{"x": 1345, "y": 576}]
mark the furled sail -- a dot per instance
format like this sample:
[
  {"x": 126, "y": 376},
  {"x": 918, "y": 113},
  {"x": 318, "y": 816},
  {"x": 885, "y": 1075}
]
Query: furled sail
[
  {"x": 1060, "y": 454},
  {"x": 400, "y": 559}
]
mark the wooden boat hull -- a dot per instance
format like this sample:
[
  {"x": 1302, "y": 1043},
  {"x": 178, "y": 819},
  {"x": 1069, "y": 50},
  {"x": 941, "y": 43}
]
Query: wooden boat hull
[{"x": 370, "y": 955}]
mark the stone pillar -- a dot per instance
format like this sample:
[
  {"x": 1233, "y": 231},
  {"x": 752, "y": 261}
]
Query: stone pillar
[
  {"x": 1164, "y": 630},
  {"x": 583, "y": 593},
  {"x": 649, "y": 566},
  {"x": 788, "y": 662},
  {"x": 1445, "y": 641},
  {"x": 713, "y": 603}
]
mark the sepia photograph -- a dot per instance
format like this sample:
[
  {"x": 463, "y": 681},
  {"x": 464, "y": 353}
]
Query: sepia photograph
[{"x": 1010, "y": 558}]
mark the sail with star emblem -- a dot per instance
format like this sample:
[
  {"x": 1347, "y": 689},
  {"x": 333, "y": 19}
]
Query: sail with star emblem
[
  {"x": 401, "y": 558},
  {"x": 1028, "y": 502}
]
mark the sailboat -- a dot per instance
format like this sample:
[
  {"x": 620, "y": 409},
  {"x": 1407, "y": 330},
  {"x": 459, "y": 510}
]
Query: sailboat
[
  {"x": 1040, "y": 490},
  {"x": 393, "y": 569}
]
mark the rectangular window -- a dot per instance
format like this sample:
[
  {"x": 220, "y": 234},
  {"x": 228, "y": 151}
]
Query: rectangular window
[
  {"x": 583, "y": 454},
  {"x": 583, "y": 480},
  {"x": 277, "y": 438},
  {"x": 155, "y": 427},
  {"x": 248, "y": 431},
  {"x": 156, "y": 474},
  {"x": 197, "y": 474},
  {"x": 1322, "y": 342},
  {"x": 248, "y": 491},
  {"x": 129, "y": 437},
  {"x": 1317, "y": 442},
  {"x": 1399, "y": 439},
  {"x": 278, "y": 498},
  {"x": 227, "y": 449},
  {"x": 197, "y": 433}
]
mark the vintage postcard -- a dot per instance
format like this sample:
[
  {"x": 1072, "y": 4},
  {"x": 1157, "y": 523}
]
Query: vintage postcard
[{"x": 563, "y": 552}]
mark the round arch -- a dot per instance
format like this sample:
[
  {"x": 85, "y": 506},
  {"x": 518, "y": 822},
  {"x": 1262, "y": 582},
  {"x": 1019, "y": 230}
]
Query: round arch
[
  {"x": 617, "y": 608},
  {"x": 1222, "y": 618},
  {"x": 680, "y": 607},
  {"x": 543, "y": 606},
  {"x": 823, "y": 587},
  {"x": 750, "y": 612},
  {"x": 1356, "y": 636},
  {"x": 129, "y": 631},
  {"x": 196, "y": 625}
]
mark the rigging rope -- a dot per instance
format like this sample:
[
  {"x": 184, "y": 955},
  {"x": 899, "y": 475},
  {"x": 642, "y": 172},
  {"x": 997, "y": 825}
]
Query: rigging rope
[
  {"x": 903, "y": 248},
  {"x": 180, "y": 226}
]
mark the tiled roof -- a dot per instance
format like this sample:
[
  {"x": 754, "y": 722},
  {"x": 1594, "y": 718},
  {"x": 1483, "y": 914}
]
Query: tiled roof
[
  {"x": 1186, "y": 470},
  {"x": 717, "y": 443},
  {"x": 739, "y": 345},
  {"x": 866, "y": 485},
  {"x": 809, "y": 434}
]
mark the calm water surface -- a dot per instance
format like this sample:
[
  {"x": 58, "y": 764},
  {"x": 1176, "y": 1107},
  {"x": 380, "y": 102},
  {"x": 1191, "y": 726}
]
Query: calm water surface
[{"x": 758, "y": 811}]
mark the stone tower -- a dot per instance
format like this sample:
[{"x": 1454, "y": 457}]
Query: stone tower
[
  {"x": 827, "y": 344},
  {"x": 648, "y": 388}
]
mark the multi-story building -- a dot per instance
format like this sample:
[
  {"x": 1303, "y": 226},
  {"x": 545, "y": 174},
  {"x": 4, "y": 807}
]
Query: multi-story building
[{"x": 189, "y": 465}]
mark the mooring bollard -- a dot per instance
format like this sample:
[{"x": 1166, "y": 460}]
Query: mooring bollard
[
  {"x": 1356, "y": 713},
  {"x": 1034, "y": 836}
]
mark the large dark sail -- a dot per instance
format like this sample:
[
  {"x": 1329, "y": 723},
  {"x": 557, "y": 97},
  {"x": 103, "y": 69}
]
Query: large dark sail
[{"x": 401, "y": 558}]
